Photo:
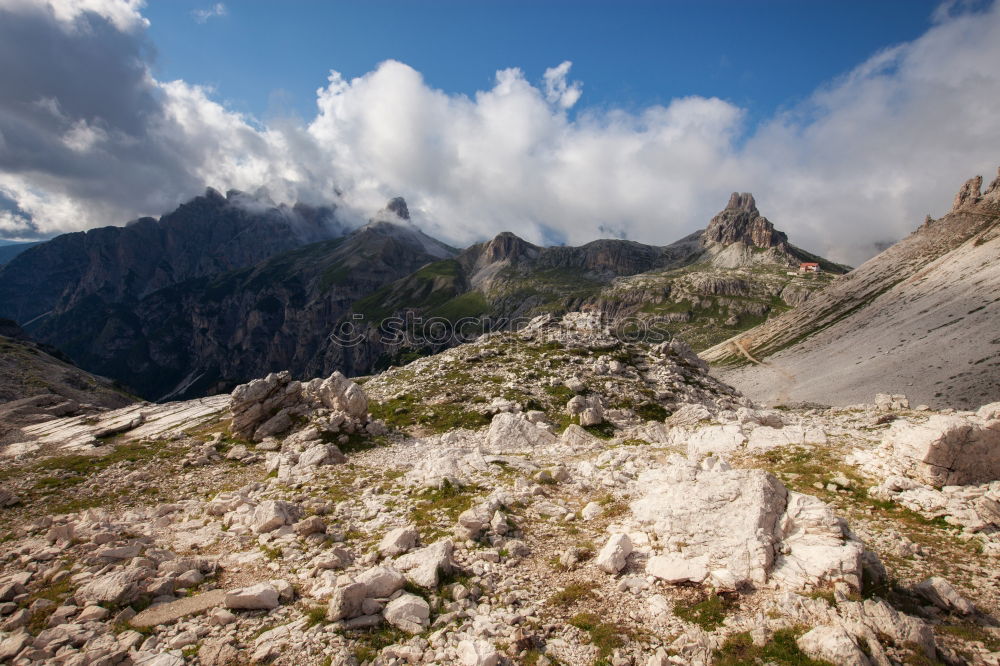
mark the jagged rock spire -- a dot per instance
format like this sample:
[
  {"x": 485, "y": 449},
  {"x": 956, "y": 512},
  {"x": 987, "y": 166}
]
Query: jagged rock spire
[
  {"x": 740, "y": 222},
  {"x": 968, "y": 194},
  {"x": 398, "y": 206}
]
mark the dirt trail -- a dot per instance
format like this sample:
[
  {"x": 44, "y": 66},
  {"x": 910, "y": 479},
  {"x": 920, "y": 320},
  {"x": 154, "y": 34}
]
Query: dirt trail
[{"x": 784, "y": 394}]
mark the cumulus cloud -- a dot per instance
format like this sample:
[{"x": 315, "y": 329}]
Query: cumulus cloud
[
  {"x": 202, "y": 15},
  {"x": 90, "y": 137}
]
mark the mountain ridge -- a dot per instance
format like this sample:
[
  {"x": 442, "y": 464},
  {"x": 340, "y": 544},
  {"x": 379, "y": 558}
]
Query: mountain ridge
[{"x": 174, "y": 338}]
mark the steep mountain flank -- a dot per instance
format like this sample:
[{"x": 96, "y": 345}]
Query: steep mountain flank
[
  {"x": 920, "y": 318},
  {"x": 210, "y": 234},
  {"x": 208, "y": 334}
]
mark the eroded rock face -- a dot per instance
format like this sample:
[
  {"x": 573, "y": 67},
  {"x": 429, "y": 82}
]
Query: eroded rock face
[
  {"x": 265, "y": 407},
  {"x": 741, "y": 222},
  {"x": 968, "y": 194},
  {"x": 947, "y": 450},
  {"x": 738, "y": 527}
]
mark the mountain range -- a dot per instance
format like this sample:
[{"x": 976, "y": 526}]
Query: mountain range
[{"x": 228, "y": 288}]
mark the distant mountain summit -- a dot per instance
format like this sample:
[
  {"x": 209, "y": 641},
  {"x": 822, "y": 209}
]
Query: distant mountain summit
[{"x": 741, "y": 222}]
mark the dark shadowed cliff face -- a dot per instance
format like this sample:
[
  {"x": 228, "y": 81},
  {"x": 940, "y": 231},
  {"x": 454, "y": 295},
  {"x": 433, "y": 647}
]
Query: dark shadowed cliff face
[
  {"x": 207, "y": 334},
  {"x": 208, "y": 235}
]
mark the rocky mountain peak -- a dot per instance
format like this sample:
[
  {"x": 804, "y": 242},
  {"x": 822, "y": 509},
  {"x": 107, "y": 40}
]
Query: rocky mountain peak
[
  {"x": 398, "y": 206},
  {"x": 742, "y": 201},
  {"x": 506, "y": 246},
  {"x": 740, "y": 222},
  {"x": 971, "y": 193},
  {"x": 968, "y": 194}
]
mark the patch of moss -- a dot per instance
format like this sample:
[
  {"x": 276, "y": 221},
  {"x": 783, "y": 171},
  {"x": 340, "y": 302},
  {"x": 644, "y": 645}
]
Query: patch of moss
[
  {"x": 781, "y": 650},
  {"x": 441, "y": 505},
  {"x": 605, "y": 636},
  {"x": 708, "y": 613},
  {"x": 572, "y": 594},
  {"x": 370, "y": 643}
]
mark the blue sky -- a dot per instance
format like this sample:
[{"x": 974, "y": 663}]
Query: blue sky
[
  {"x": 560, "y": 121},
  {"x": 269, "y": 58}
]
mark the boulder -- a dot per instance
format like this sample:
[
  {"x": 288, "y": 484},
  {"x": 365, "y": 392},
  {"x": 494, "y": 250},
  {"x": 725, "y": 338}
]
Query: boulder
[
  {"x": 117, "y": 587},
  {"x": 946, "y": 450},
  {"x": 339, "y": 393},
  {"x": 591, "y": 511},
  {"x": 261, "y": 400},
  {"x": 890, "y": 402},
  {"x": 940, "y": 592},
  {"x": 175, "y": 610},
  {"x": 613, "y": 556},
  {"x": 346, "y": 601},
  {"x": 398, "y": 541},
  {"x": 477, "y": 653},
  {"x": 321, "y": 454},
  {"x": 11, "y": 646},
  {"x": 576, "y": 437},
  {"x": 832, "y": 644},
  {"x": 589, "y": 409},
  {"x": 272, "y": 514},
  {"x": 408, "y": 612},
  {"x": 381, "y": 582},
  {"x": 514, "y": 433},
  {"x": 310, "y": 525},
  {"x": 673, "y": 568},
  {"x": 708, "y": 440},
  {"x": 262, "y": 596},
  {"x": 744, "y": 527},
  {"x": 423, "y": 567}
]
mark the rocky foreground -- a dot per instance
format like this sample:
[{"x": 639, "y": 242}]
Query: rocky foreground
[{"x": 554, "y": 496}]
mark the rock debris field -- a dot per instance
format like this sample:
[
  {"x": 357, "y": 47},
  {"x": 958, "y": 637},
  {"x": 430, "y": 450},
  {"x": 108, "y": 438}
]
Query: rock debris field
[{"x": 551, "y": 496}]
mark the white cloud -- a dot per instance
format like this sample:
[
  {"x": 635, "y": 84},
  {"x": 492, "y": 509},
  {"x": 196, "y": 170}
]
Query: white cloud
[
  {"x": 860, "y": 162},
  {"x": 557, "y": 91},
  {"x": 202, "y": 15},
  {"x": 125, "y": 15}
]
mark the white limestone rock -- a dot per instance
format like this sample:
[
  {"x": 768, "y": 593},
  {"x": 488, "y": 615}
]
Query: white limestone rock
[
  {"x": 262, "y": 596},
  {"x": 381, "y": 582},
  {"x": 397, "y": 541},
  {"x": 940, "y": 592},
  {"x": 513, "y": 433},
  {"x": 946, "y": 450},
  {"x": 423, "y": 567},
  {"x": 272, "y": 514},
  {"x": 746, "y": 526},
  {"x": 346, "y": 601},
  {"x": 614, "y": 554},
  {"x": 408, "y": 612},
  {"x": 833, "y": 644},
  {"x": 708, "y": 440},
  {"x": 673, "y": 568},
  {"x": 477, "y": 653}
]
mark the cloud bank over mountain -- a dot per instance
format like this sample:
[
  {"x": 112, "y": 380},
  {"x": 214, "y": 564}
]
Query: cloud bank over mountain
[{"x": 88, "y": 137}]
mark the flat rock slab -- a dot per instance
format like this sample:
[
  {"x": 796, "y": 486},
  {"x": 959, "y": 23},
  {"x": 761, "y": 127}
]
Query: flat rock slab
[
  {"x": 149, "y": 420},
  {"x": 175, "y": 610}
]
